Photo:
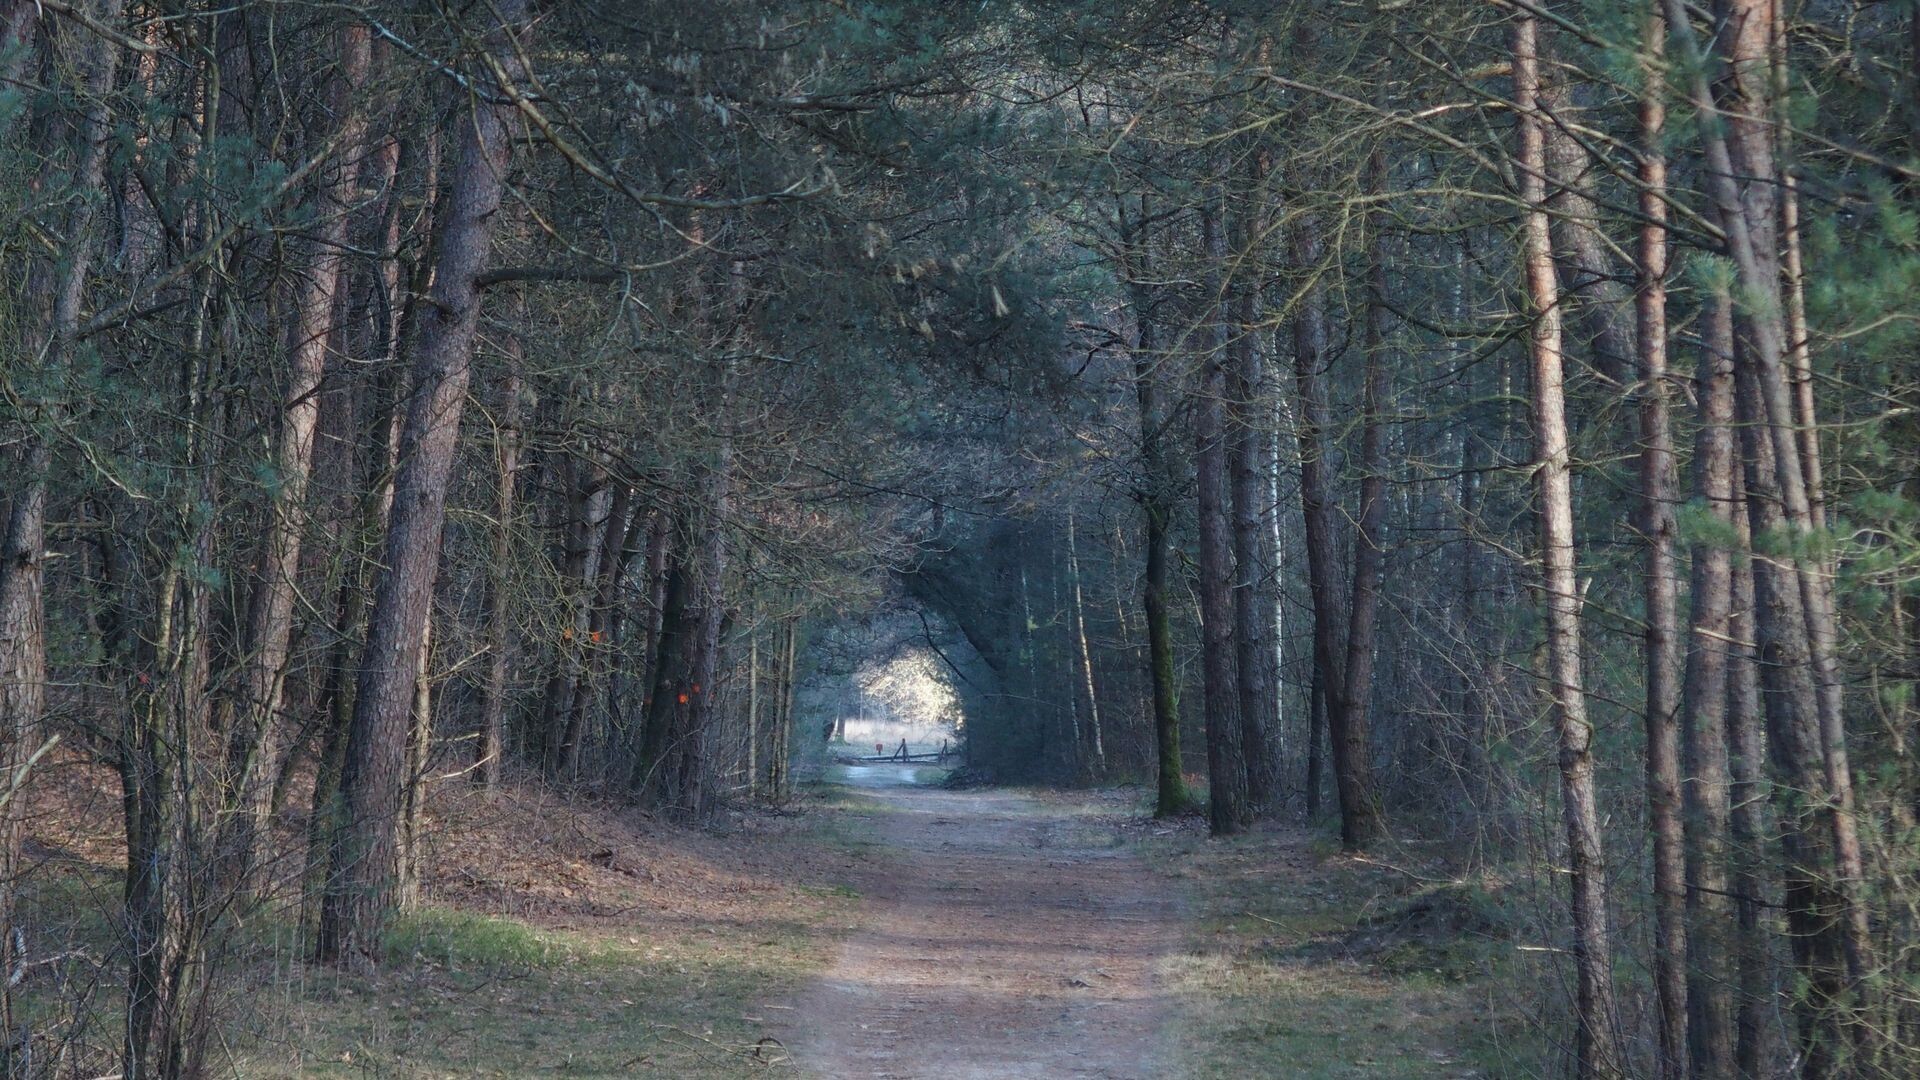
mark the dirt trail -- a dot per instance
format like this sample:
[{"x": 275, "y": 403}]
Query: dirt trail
[{"x": 1001, "y": 936}]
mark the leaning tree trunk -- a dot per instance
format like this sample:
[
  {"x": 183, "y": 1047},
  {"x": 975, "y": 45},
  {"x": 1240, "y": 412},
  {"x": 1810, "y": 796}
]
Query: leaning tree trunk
[
  {"x": 1598, "y": 1053},
  {"x": 1084, "y": 650},
  {"x": 359, "y": 894},
  {"x": 253, "y": 745},
  {"x": 1794, "y": 617}
]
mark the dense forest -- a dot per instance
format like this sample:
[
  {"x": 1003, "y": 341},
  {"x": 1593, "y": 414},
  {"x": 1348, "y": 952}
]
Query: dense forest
[{"x": 1475, "y": 428}]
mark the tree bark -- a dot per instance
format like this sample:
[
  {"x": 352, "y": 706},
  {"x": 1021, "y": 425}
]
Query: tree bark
[
  {"x": 1157, "y": 488},
  {"x": 1249, "y": 456},
  {"x": 1226, "y": 766},
  {"x": 1661, "y": 587},
  {"x": 1348, "y": 738},
  {"x": 1794, "y": 619},
  {"x": 1598, "y": 1054},
  {"x": 1364, "y": 823},
  {"x": 253, "y": 747},
  {"x": 359, "y": 894},
  {"x": 1756, "y": 1039},
  {"x": 1589, "y": 275},
  {"x": 55, "y": 291},
  {"x": 1705, "y": 709}
]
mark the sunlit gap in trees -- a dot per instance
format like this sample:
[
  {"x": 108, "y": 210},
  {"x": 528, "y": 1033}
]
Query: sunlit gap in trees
[{"x": 885, "y": 678}]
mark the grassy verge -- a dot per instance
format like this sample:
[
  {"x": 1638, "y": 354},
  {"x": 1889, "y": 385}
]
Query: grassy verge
[
  {"x": 1308, "y": 964},
  {"x": 481, "y": 996},
  {"x": 660, "y": 957}
]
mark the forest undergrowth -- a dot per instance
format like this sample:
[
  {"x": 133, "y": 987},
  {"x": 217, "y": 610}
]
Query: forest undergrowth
[
  {"x": 575, "y": 937},
  {"x": 1306, "y": 962},
  {"x": 553, "y": 935}
]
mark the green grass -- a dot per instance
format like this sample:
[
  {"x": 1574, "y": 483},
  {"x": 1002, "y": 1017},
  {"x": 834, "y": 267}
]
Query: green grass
[
  {"x": 461, "y": 993},
  {"x": 1305, "y": 965},
  {"x": 486, "y": 997}
]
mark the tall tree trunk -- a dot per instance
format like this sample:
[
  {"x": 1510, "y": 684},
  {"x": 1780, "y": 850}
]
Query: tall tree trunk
[
  {"x": 1756, "y": 1039},
  {"x": 253, "y": 746},
  {"x": 1598, "y": 1048},
  {"x": 668, "y": 696},
  {"x": 359, "y": 893},
  {"x": 1662, "y": 642},
  {"x": 1226, "y": 765},
  {"x": 1794, "y": 617},
  {"x": 1361, "y": 822},
  {"x": 779, "y": 785},
  {"x": 622, "y": 520},
  {"x": 1249, "y": 456},
  {"x": 56, "y": 289},
  {"x": 1348, "y": 737},
  {"x": 690, "y": 795},
  {"x": 583, "y": 485},
  {"x": 1157, "y": 487},
  {"x": 1814, "y": 896},
  {"x": 1704, "y": 709}
]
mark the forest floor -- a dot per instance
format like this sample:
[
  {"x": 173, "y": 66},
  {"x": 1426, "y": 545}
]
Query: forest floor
[{"x": 881, "y": 927}]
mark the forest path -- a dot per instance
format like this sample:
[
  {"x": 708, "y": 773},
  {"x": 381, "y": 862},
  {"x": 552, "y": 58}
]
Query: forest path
[{"x": 1003, "y": 935}]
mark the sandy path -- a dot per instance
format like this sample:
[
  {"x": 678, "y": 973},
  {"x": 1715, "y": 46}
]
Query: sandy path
[{"x": 1000, "y": 936}]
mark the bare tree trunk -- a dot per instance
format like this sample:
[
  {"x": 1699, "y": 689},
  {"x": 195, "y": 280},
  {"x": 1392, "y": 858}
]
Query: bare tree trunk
[
  {"x": 1348, "y": 739},
  {"x": 691, "y": 769},
  {"x": 253, "y": 747},
  {"x": 1249, "y": 456},
  {"x": 780, "y": 785},
  {"x": 1662, "y": 640},
  {"x": 1705, "y": 710},
  {"x": 1598, "y": 1050},
  {"x": 1315, "y": 780},
  {"x": 1157, "y": 486},
  {"x": 1814, "y": 898},
  {"x": 498, "y": 619},
  {"x": 359, "y": 893},
  {"x": 585, "y": 485},
  {"x": 667, "y": 698},
  {"x": 1756, "y": 1039},
  {"x": 659, "y": 538},
  {"x": 55, "y": 291},
  {"x": 1363, "y": 822},
  {"x": 406, "y": 888},
  {"x": 1794, "y": 613},
  {"x": 1588, "y": 274},
  {"x": 1226, "y": 766}
]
